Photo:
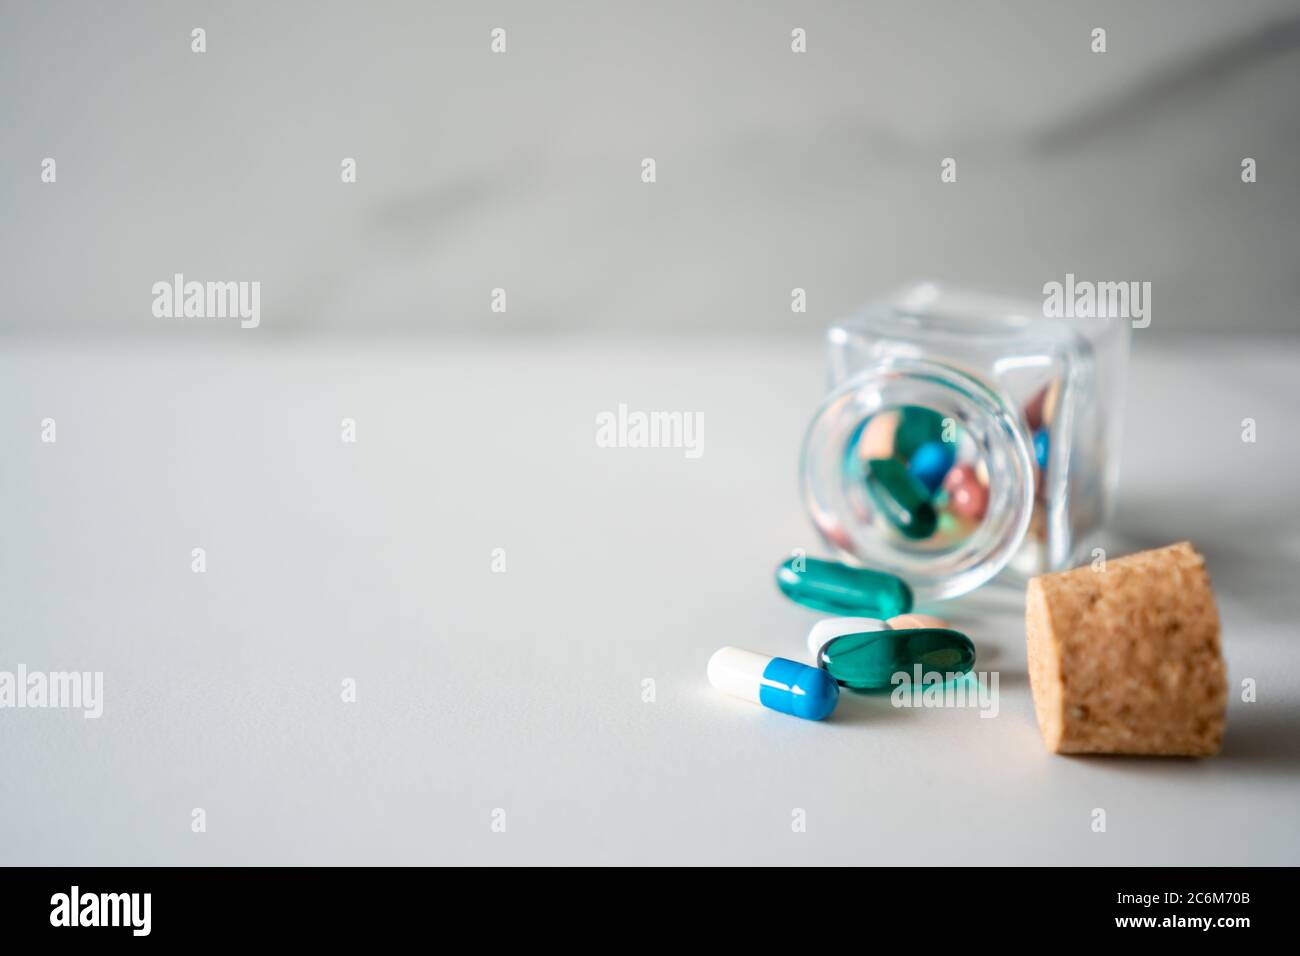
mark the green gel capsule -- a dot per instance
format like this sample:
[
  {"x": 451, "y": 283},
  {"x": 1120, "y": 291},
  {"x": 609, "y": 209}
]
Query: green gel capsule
[
  {"x": 842, "y": 590},
  {"x": 916, "y": 426},
  {"x": 868, "y": 662},
  {"x": 901, "y": 498}
]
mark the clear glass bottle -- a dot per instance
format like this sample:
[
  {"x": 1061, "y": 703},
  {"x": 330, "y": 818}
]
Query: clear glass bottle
[{"x": 993, "y": 388}]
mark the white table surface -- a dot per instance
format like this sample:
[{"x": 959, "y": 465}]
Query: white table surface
[{"x": 523, "y": 690}]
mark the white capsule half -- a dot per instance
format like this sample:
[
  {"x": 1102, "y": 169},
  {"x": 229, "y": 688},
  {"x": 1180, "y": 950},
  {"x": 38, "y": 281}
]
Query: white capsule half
[
  {"x": 830, "y": 628},
  {"x": 738, "y": 672}
]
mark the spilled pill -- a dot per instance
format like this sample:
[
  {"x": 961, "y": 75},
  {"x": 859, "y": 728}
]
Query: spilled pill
[
  {"x": 830, "y": 627},
  {"x": 839, "y": 589},
  {"x": 868, "y": 662},
  {"x": 775, "y": 682},
  {"x": 905, "y": 621}
]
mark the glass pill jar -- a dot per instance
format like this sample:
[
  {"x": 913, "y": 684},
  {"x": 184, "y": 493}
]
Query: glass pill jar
[{"x": 965, "y": 436}]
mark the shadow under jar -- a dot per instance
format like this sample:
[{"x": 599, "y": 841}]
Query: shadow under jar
[{"x": 966, "y": 436}]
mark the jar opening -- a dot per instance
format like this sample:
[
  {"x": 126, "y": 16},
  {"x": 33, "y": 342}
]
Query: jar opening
[{"x": 920, "y": 468}]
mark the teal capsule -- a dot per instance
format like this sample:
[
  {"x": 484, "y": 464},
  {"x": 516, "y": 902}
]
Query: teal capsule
[
  {"x": 901, "y": 497},
  {"x": 841, "y": 590},
  {"x": 917, "y": 426},
  {"x": 869, "y": 661}
]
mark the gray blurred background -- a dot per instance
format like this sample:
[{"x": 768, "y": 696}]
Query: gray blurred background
[{"x": 522, "y": 170}]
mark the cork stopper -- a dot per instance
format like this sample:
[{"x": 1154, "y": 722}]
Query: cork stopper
[{"x": 1127, "y": 660}]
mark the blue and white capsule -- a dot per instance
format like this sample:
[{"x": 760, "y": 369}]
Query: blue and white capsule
[{"x": 775, "y": 682}]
